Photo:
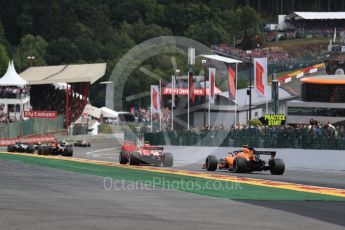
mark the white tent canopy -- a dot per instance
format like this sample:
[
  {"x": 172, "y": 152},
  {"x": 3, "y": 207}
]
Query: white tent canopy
[
  {"x": 12, "y": 78},
  {"x": 106, "y": 112}
]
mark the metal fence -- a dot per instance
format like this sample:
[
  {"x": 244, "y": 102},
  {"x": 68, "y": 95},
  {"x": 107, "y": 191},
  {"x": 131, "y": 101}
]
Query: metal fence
[
  {"x": 270, "y": 138},
  {"x": 31, "y": 126}
]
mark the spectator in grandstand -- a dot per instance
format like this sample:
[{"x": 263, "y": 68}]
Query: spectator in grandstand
[{"x": 272, "y": 55}]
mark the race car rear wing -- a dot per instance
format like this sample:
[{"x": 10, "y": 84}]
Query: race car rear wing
[
  {"x": 269, "y": 153},
  {"x": 154, "y": 148}
]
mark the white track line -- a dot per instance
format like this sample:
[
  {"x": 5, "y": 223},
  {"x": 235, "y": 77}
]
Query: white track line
[{"x": 100, "y": 150}]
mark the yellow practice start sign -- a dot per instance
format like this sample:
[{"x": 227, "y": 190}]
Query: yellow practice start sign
[{"x": 275, "y": 119}]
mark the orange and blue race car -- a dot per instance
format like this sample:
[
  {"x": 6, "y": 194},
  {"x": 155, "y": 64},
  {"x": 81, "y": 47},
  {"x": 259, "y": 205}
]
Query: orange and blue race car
[
  {"x": 246, "y": 160},
  {"x": 144, "y": 155}
]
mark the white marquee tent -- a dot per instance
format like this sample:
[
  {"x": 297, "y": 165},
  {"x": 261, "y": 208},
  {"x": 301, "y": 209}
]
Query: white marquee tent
[{"x": 12, "y": 78}]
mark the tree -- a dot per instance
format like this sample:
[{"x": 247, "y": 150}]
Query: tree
[
  {"x": 30, "y": 46},
  {"x": 250, "y": 22},
  {"x": 208, "y": 33},
  {"x": 90, "y": 50},
  {"x": 3, "y": 60},
  {"x": 62, "y": 50}
]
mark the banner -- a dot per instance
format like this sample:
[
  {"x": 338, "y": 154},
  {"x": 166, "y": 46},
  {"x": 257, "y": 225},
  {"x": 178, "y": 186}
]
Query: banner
[
  {"x": 260, "y": 76},
  {"x": 231, "y": 83},
  {"x": 190, "y": 86},
  {"x": 211, "y": 83},
  {"x": 41, "y": 114},
  {"x": 155, "y": 105},
  {"x": 173, "y": 86},
  {"x": 275, "y": 119},
  {"x": 184, "y": 91}
]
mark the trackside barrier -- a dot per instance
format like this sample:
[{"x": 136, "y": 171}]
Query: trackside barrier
[
  {"x": 30, "y": 140},
  {"x": 300, "y": 73},
  {"x": 30, "y": 126},
  {"x": 269, "y": 138}
]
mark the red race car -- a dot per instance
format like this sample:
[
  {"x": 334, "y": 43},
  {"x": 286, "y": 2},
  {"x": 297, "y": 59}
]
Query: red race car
[{"x": 146, "y": 154}]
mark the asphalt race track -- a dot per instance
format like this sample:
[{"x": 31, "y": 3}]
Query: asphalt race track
[
  {"x": 35, "y": 197},
  {"x": 310, "y": 167}
]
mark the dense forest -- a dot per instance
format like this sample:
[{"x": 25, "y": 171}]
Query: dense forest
[{"x": 86, "y": 31}]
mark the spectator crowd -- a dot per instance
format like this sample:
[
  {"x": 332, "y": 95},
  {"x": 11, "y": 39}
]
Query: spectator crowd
[
  {"x": 317, "y": 28},
  {"x": 5, "y": 117},
  {"x": 312, "y": 136},
  {"x": 14, "y": 92},
  {"x": 273, "y": 56}
]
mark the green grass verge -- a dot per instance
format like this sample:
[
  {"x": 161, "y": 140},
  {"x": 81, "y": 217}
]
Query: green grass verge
[{"x": 235, "y": 191}]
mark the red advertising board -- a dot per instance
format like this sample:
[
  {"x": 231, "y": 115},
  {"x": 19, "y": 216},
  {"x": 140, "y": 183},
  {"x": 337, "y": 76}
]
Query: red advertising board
[{"x": 40, "y": 114}]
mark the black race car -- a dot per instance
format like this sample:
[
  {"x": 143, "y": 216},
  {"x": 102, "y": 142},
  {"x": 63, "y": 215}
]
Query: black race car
[
  {"x": 56, "y": 148},
  {"x": 82, "y": 144},
  {"x": 21, "y": 147}
]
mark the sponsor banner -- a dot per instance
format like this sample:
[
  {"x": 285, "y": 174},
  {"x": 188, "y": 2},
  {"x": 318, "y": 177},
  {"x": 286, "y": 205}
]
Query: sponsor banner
[
  {"x": 182, "y": 91},
  {"x": 155, "y": 99},
  {"x": 275, "y": 119},
  {"x": 260, "y": 75},
  {"x": 190, "y": 86},
  {"x": 30, "y": 140},
  {"x": 211, "y": 83},
  {"x": 173, "y": 84},
  {"x": 231, "y": 83},
  {"x": 41, "y": 114}
]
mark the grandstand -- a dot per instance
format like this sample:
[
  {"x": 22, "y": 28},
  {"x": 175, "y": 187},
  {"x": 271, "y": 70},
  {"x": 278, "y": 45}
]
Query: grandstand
[
  {"x": 316, "y": 24},
  {"x": 62, "y": 88}
]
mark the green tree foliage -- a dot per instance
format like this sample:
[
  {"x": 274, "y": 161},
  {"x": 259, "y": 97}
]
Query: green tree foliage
[
  {"x": 30, "y": 46},
  {"x": 3, "y": 60},
  {"x": 87, "y": 31},
  {"x": 61, "y": 51},
  {"x": 250, "y": 23}
]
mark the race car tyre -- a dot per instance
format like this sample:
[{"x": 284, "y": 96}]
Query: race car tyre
[
  {"x": 45, "y": 150},
  {"x": 240, "y": 165},
  {"x": 40, "y": 150},
  {"x": 31, "y": 149},
  {"x": 10, "y": 148},
  {"x": 123, "y": 157},
  {"x": 168, "y": 160},
  {"x": 68, "y": 152},
  {"x": 134, "y": 158},
  {"x": 339, "y": 71},
  {"x": 75, "y": 144},
  {"x": 277, "y": 166},
  {"x": 88, "y": 145},
  {"x": 211, "y": 163}
]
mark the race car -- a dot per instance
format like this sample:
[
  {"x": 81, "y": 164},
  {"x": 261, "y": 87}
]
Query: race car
[
  {"x": 246, "y": 160},
  {"x": 56, "y": 148},
  {"x": 82, "y": 144},
  {"x": 21, "y": 147},
  {"x": 146, "y": 154}
]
